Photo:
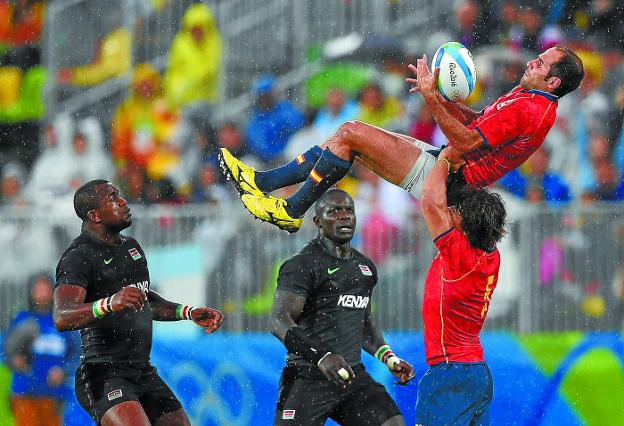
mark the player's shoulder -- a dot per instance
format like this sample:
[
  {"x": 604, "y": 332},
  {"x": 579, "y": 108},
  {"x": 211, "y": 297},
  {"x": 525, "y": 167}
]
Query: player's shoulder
[
  {"x": 534, "y": 100},
  {"x": 307, "y": 255},
  {"x": 128, "y": 240},
  {"x": 311, "y": 259},
  {"x": 362, "y": 258},
  {"x": 81, "y": 246},
  {"x": 365, "y": 263}
]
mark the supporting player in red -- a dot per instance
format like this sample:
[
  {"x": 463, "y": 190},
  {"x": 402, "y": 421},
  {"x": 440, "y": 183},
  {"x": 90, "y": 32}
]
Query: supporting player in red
[{"x": 457, "y": 388}]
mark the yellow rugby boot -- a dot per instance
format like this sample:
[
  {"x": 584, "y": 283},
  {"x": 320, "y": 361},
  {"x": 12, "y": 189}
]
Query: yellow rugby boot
[
  {"x": 271, "y": 210},
  {"x": 242, "y": 175}
]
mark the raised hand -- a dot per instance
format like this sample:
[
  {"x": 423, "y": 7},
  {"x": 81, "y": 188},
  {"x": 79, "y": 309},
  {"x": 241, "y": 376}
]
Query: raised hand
[{"x": 425, "y": 82}]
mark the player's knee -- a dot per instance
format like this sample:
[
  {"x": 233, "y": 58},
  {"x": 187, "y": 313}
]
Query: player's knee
[{"x": 350, "y": 132}]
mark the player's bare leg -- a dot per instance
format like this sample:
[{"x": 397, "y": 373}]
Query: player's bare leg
[
  {"x": 174, "y": 418},
  {"x": 126, "y": 413},
  {"x": 390, "y": 155}
]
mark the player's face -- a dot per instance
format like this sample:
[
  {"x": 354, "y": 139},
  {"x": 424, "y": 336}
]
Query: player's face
[
  {"x": 537, "y": 69},
  {"x": 113, "y": 211},
  {"x": 337, "y": 219}
]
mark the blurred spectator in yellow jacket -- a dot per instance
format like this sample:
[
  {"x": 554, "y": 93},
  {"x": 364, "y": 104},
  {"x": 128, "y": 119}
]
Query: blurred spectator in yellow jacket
[
  {"x": 142, "y": 126},
  {"x": 112, "y": 59},
  {"x": 192, "y": 75},
  {"x": 378, "y": 109},
  {"x": 193, "y": 70}
]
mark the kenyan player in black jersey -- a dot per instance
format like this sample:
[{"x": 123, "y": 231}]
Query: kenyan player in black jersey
[
  {"x": 322, "y": 314},
  {"x": 103, "y": 290}
]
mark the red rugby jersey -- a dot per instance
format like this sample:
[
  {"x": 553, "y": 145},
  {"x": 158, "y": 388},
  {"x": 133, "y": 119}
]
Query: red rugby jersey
[
  {"x": 458, "y": 290},
  {"x": 513, "y": 127}
]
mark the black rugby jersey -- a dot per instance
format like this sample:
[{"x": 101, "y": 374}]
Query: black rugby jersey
[
  {"x": 103, "y": 270},
  {"x": 338, "y": 295}
]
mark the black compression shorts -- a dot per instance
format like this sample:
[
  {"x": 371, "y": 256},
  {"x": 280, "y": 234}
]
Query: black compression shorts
[
  {"x": 307, "y": 398},
  {"x": 101, "y": 387}
]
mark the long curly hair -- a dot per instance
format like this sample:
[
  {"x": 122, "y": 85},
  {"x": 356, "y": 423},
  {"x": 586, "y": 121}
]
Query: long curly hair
[{"x": 483, "y": 217}]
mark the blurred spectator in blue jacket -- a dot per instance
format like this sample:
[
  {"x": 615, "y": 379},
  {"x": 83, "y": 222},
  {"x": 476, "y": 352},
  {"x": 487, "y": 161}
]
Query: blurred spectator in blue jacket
[
  {"x": 608, "y": 186},
  {"x": 538, "y": 183},
  {"x": 41, "y": 359},
  {"x": 272, "y": 121}
]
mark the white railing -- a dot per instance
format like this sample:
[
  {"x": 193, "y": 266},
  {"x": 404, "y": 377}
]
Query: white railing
[{"x": 558, "y": 267}]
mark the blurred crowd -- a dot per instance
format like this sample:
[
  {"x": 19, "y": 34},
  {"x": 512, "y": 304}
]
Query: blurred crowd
[{"x": 161, "y": 143}]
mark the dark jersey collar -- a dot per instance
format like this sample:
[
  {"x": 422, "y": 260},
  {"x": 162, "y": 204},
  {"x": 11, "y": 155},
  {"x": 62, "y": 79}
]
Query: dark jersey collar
[
  {"x": 549, "y": 96},
  {"x": 89, "y": 236}
]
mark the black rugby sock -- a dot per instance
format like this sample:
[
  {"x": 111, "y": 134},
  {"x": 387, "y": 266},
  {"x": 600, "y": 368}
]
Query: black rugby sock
[{"x": 328, "y": 170}]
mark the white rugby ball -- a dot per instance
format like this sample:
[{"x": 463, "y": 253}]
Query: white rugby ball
[{"x": 457, "y": 76}]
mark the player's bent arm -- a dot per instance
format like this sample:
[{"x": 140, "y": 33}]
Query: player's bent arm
[
  {"x": 287, "y": 307},
  {"x": 463, "y": 113},
  {"x": 434, "y": 202},
  {"x": 372, "y": 337},
  {"x": 165, "y": 310},
  {"x": 162, "y": 309},
  {"x": 375, "y": 344},
  {"x": 69, "y": 311},
  {"x": 460, "y": 137}
]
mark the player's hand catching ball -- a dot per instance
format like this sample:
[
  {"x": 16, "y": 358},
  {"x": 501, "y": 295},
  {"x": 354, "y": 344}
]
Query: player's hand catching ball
[
  {"x": 336, "y": 369},
  {"x": 208, "y": 318},
  {"x": 425, "y": 82},
  {"x": 129, "y": 298},
  {"x": 402, "y": 371}
]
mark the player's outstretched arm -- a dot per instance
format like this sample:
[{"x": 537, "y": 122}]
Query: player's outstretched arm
[
  {"x": 71, "y": 313},
  {"x": 375, "y": 344},
  {"x": 165, "y": 310},
  {"x": 287, "y": 307},
  {"x": 460, "y": 137},
  {"x": 434, "y": 200}
]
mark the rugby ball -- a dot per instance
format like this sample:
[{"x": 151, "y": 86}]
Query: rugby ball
[{"x": 457, "y": 76}]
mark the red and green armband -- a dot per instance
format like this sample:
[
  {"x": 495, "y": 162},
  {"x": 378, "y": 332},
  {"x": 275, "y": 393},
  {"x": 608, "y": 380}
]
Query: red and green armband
[
  {"x": 103, "y": 306},
  {"x": 183, "y": 312},
  {"x": 385, "y": 355}
]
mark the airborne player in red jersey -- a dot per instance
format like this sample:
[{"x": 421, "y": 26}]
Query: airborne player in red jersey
[
  {"x": 490, "y": 143},
  {"x": 457, "y": 388}
]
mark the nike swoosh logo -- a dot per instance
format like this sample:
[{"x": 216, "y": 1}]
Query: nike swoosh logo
[
  {"x": 107, "y": 261},
  {"x": 331, "y": 271}
]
